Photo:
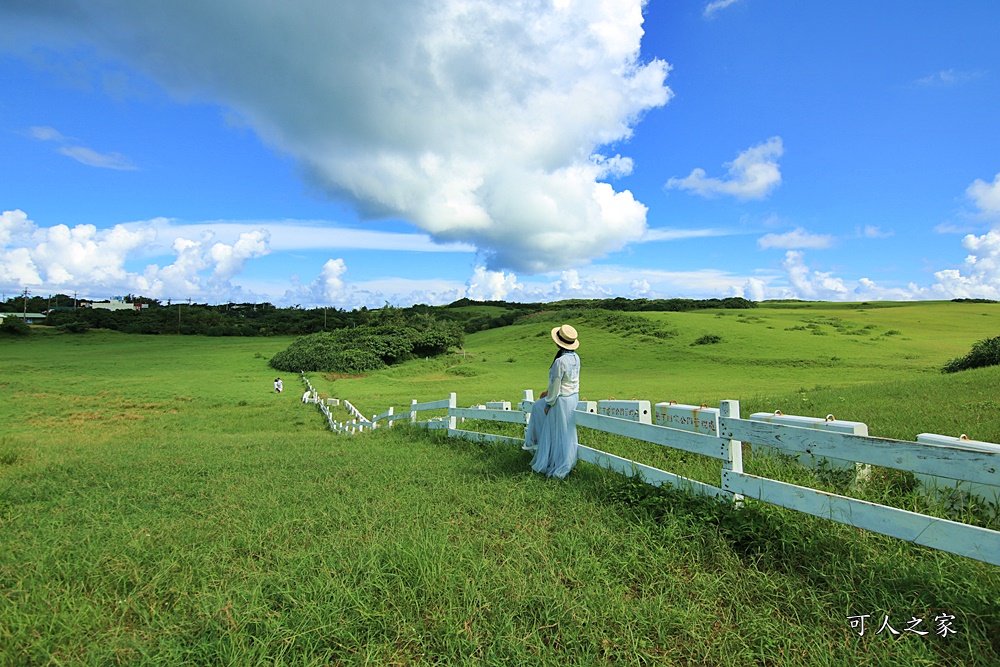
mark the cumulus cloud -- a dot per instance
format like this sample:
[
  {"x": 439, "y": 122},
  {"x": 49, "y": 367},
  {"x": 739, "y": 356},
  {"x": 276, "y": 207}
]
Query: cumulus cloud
[
  {"x": 754, "y": 174},
  {"x": 979, "y": 275},
  {"x": 15, "y": 227},
  {"x": 83, "y": 257},
  {"x": 201, "y": 268},
  {"x": 486, "y": 285},
  {"x": 332, "y": 288},
  {"x": 639, "y": 288},
  {"x": 480, "y": 122},
  {"x": 808, "y": 284},
  {"x": 986, "y": 196},
  {"x": 328, "y": 289},
  {"x": 82, "y": 253},
  {"x": 799, "y": 281},
  {"x": 229, "y": 259},
  {"x": 797, "y": 238},
  {"x": 572, "y": 285},
  {"x": 754, "y": 289},
  {"x": 330, "y": 282}
]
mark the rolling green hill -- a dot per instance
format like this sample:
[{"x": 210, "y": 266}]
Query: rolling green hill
[
  {"x": 160, "y": 504},
  {"x": 769, "y": 358}
]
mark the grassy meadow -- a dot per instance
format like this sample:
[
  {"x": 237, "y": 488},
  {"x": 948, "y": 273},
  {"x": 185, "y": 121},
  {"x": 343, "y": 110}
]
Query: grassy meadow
[
  {"x": 159, "y": 504},
  {"x": 800, "y": 358}
]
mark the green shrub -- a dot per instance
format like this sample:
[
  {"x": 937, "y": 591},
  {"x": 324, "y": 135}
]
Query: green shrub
[
  {"x": 708, "y": 339},
  {"x": 76, "y": 327},
  {"x": 369, "y": 348},
  {"x": 983, "y": 353},
  {"x": 15, "y": 326},
  {"x": 620, "y": 323}
]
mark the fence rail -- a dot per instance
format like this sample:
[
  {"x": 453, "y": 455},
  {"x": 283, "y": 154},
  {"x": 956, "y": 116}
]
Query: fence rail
[{"x": 978, "y": 463}]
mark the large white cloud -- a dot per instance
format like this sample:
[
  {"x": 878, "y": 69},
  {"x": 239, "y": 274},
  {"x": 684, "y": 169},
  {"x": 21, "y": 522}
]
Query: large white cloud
[
  {"x": 485, "y": 285},
  {"x": 64, "y": 257},
  {"x": 979, "y": 275},
  {"x": 478, "y": 121},
  {"x": 806, "y": 284},
  {"x": 92, "y": 261},
  {"x": 202, "y": 269},
  {"x": 754, "y": 174},
  {"x": 229, "y": 259},
  {"x": 14, "y": 227}
]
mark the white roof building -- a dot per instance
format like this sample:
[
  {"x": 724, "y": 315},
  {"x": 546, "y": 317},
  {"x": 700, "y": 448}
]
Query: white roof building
[{"x": 117, "y": 303}]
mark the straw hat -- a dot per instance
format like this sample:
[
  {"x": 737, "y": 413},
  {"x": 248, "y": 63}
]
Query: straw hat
[{"x": 565, "y": 337}]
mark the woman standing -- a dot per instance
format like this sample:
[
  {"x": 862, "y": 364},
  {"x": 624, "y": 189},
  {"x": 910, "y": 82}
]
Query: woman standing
[{"x": 552, "y": 427}]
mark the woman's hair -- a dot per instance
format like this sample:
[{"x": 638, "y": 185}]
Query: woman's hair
[{"x": 561, "y": 352}]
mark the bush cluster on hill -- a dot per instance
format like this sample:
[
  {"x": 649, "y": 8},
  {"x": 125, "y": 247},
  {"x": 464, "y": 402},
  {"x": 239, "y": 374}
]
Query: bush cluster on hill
[
  {"x": 621, "y": 323},
  {"x": 983, "y": 353},
  {"x": 368, "y": 348},
  {"x": 708, "y": 339},
  {"x": 14, "y": 326}
]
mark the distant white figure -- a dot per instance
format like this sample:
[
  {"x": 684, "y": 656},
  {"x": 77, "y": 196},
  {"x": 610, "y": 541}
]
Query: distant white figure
[
  {"x": 305, "y": 397},
  {"x": 278, "y": 386}
]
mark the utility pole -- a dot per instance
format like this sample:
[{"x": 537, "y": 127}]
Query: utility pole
[{"x": 25, "y": 304}]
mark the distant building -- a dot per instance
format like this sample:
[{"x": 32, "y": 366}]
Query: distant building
[
  {"x": 118, "y": 303},
  {"x": 30, "y": 318}
]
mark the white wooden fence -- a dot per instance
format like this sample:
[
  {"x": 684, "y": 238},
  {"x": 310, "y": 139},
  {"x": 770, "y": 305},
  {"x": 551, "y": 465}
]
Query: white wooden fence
[{"x": 718, "y": 433}]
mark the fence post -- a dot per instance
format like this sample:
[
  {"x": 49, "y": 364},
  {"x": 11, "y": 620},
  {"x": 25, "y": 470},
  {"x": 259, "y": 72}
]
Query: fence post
[
  {"x": 452, "y": 404},
  {"x": 390, "y": 416},
  {"x": 529, "y": 395},
  {"x": 735, "y": 447},
  {"x": 413, "y": 413}
]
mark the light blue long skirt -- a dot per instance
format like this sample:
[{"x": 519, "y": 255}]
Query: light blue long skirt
[{"x": 553, "y": 436}]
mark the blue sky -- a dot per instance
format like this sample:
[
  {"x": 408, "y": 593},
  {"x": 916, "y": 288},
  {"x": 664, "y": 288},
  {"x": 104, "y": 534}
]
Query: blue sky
[{"x": 359, "y": 153}]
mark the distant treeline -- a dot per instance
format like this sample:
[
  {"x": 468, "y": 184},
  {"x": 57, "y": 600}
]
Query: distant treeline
[
  {"x": 265, "y": 319},
  {"x": 208, "y": 320},
  {"x": 618, "y": 303}
]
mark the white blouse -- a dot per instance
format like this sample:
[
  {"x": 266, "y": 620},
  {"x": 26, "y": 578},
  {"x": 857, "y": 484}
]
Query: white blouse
[{"x": 564, "y": 377}]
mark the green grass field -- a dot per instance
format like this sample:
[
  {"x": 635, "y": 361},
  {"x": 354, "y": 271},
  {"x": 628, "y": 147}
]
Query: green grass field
[{"x": 159, "y": 504}]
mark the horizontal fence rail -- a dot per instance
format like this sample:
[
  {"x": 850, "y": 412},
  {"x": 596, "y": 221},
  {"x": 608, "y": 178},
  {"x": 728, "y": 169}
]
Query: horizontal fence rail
[
  {"x": 958, "y": 538},
  {"x": 938, "y": 457},
  {"x": 943, "y": 460}
]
